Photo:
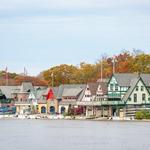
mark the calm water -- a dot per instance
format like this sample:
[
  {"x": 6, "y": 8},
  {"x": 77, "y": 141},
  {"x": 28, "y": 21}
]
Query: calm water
[{"x": 73, "y": 135}]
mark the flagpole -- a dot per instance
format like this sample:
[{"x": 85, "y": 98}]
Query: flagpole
[
  {"x": 6, "y": 77},
  {"x": 101, "y": 70},
  {"x": 25, "y": 72},
  {"x": 113, "y": 65},
  {"x": 52, "y": 76}
]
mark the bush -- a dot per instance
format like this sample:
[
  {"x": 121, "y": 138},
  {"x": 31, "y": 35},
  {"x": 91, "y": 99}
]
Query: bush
[
  {"x": 142, "y": 115},
  {"x": 146, "y": 114},
  {"x": 139, "y": 115}
]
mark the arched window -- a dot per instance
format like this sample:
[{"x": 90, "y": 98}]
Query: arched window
[
  {"x": 43, "y": 109},
  {"x": 52, "y": 109}
]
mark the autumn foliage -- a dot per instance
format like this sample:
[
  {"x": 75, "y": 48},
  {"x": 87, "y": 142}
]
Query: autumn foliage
[
  {"x": 18, "y": 79},
  {"x": 125, "y": 62}
]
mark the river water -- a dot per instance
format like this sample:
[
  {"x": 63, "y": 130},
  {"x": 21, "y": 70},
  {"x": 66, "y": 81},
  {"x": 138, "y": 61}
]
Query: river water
[{"x": 73, "y": 135}]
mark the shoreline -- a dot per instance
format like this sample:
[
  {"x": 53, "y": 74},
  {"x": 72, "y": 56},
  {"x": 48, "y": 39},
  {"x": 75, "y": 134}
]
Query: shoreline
[{"x": 51, "y": 117}]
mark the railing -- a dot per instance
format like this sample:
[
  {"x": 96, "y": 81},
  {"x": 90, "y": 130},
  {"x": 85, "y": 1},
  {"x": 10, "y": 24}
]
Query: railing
[
  {"x": 101, "y": 103},
  {"x": 91, "y": 103},
  {"x": 113, "y": 103},
  {"x": 114, "y": 95}
]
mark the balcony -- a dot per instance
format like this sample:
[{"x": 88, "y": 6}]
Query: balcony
[
  {"x": 114, "y": 95},
  {"x": 113, "y": 103},
  {"x": 100, "y": 103},
  {"x": 90, "y": 103}
]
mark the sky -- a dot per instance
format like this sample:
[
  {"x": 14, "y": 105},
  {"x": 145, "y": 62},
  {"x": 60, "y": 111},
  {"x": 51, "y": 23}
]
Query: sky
[{"x": 39, "y": 34}]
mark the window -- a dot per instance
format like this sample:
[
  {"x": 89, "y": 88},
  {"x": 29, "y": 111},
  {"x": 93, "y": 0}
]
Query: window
[
  {"x": 116, "y": 87},
  {"x": 135, "y": 97},
  {"x": 142, "y": 88},
  {"x": 87, "y": 95},
  {"x": 137, "y": 88},
  {"x": 143, "y": 97},
  {"x": 111, "y": 87},
  {"x": 149, "y": 99}
]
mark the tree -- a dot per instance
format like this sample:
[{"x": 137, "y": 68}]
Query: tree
[
  {"x": 140, "y": 63},
  {"x": 63, "y": 74}
]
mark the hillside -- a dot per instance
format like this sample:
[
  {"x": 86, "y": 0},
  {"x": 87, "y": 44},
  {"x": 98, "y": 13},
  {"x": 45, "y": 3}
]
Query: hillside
[{"x": 15, "y": 79}]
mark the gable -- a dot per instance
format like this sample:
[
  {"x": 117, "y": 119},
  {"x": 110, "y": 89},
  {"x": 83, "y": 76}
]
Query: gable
[
  {"x": 137, "y": 88},
  {"x": 113, "y": 84},
  {"x": 87, "y": 90},
  {"x": 112, "y": 80},
  {"x": 100, "y": 90}
]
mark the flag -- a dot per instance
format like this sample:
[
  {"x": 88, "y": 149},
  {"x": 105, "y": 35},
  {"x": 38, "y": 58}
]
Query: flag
[{"x": 50, "y": 95}]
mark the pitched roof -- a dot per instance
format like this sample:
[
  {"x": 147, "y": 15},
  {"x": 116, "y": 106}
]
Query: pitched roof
[
  {"x": 64, "y": 89},
  {"x": 124, "y": 79},
  {"x": 93, "y": 87},
  {"x": 26, "y": 87},
  {"x": 7, "y": 90},
  {"x": 71, "y": 92},
  {"x": 40, "y": 93},
  {"x": 104, "y": 87},
  {"x": 146, "y": 79},
  {"x": 81, "y": 95},
  {"x": 133, "y": 85}
]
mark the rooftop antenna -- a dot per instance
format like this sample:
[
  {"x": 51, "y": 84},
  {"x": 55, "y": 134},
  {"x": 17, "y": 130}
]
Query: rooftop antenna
[{"x": 113, "y": 64}]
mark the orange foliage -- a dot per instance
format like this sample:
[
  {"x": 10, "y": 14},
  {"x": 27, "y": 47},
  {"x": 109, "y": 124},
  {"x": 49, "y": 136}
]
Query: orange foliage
[{"x": 35, "y": 81}]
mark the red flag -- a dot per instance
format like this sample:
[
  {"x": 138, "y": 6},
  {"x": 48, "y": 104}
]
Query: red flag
[{"x": 50, "y": 95}]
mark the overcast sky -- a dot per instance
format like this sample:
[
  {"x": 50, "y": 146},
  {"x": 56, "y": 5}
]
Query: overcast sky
[{"x": 38, "y": 34}]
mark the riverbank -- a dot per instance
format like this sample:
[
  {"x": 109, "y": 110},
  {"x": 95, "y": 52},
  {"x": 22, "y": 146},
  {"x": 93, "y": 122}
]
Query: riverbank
[{"x": 61, "y": 117}]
